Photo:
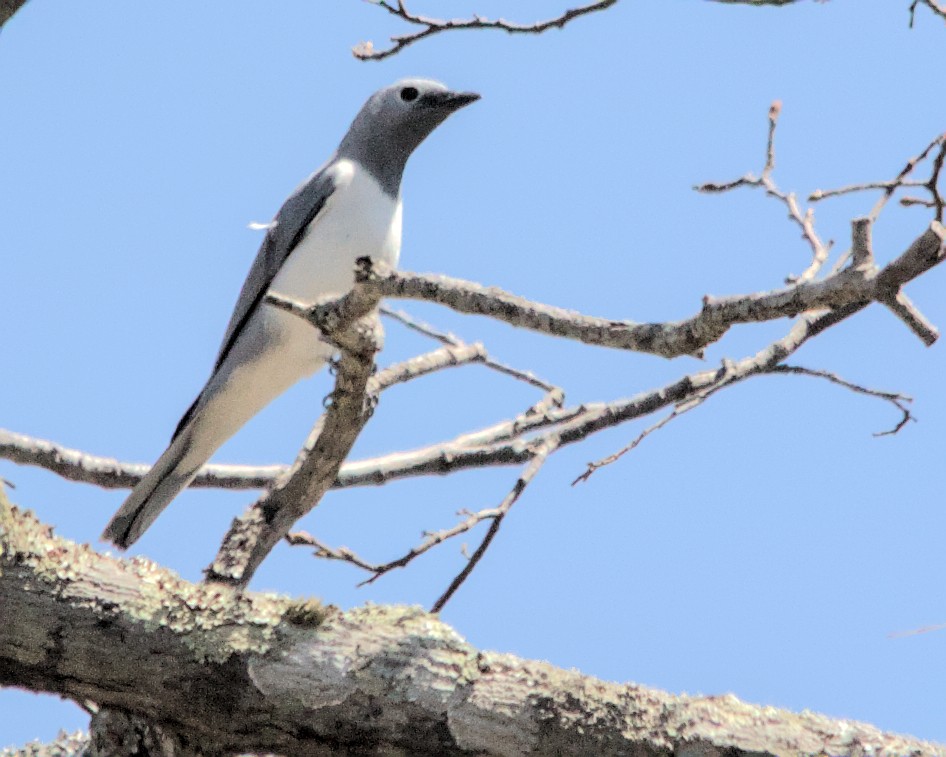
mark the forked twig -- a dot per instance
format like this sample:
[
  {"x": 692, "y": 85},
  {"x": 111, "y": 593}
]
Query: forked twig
[
  {"x": 804, "y": 220},
  {"x": 900, "y": 181}
]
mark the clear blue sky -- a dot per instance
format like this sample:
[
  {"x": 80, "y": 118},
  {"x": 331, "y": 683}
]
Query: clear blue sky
[{"x": 764, "y": 545}]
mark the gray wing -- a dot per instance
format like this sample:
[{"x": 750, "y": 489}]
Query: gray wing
[{"x": 284, "y": 234}]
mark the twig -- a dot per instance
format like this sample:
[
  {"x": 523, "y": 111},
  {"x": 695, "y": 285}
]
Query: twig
[
  {"x": 939, "y": 10},
  {"x": 900, "y": 181},
  {"x": 897, "y": 400},
  {"x": 431, "y": 26},
  {"x": 679, "y": 410},
  {"x": 415, "y": 324},
  {"x": 548, "y": 446},
  {"x": 343, "y": 554},
  {"x": 449, "y": 356},
  {"x": 433, "y": 539},
  {"x": 805, "y": 221}
]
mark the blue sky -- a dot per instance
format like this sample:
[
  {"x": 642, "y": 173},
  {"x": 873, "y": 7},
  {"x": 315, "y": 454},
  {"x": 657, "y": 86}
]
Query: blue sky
[{"x": 765, "y": 545}]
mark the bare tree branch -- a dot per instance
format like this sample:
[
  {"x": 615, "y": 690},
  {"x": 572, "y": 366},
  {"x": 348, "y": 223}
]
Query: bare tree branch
[
  {"x": 434, "y": 539},
  {"x": 548, "y": 446},
  {"x": 501, "y": 444},
  {"x": 350, "y": 324},
  {"x": 528, "y": 439},
  {"x": 449, "y": 339},
  {"x": 431, "y": 26},
  {"x": 900, "y": 181},
  {"x": 805, "y": 221},
  {"x": 896, "y": 399},
  {"x": 669, "y": 339}
]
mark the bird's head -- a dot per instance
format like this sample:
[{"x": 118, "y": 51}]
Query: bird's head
[{"x": 395, "y": 120}]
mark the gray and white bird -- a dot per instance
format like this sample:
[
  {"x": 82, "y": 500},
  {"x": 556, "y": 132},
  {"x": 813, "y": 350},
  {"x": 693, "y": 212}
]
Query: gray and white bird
[{"x": 349, "y": 208}]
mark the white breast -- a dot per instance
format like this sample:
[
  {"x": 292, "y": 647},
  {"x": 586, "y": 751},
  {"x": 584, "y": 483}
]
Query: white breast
[{"x": 359, "y": 219}]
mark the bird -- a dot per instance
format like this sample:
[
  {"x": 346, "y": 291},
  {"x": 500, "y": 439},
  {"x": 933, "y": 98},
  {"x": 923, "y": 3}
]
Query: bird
[{"x": 348, "y": 209}]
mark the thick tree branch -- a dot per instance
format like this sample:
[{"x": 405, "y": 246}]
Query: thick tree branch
[
  {"x": 8, "y": 8},
  {"x": 238, "y": 672},
  {"x": 671, "y": 339}
]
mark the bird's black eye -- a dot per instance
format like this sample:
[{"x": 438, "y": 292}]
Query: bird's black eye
[{"x": 409, "y": 94}]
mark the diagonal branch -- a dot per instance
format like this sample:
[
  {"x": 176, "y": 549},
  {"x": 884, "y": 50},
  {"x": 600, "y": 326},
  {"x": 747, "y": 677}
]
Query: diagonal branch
[
  {"x": 548, "y": 446},
  {"x": 8, "y": 8},
  {"x": 351, "y": 323}
]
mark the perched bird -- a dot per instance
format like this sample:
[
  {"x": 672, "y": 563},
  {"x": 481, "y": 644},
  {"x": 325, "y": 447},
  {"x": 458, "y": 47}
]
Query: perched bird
[{"x": 349, "y": 208}]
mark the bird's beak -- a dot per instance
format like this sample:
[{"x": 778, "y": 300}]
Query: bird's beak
[{"x": 449, "y": 101}]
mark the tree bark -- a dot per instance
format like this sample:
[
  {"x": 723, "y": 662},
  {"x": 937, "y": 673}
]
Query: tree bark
[{"x": 218, "y": 671}]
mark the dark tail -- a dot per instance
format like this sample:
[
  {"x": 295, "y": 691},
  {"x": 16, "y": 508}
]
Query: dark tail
[{"x": 167, "y": 478}]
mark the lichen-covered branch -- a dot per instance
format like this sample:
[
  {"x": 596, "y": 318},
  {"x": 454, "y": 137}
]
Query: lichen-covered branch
[
  {"x": 299, "y": 678},
  {"x": 670, "y": 339}
]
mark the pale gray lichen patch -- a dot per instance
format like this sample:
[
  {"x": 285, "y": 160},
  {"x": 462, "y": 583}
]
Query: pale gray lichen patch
[{"x": 212, "y": 620}]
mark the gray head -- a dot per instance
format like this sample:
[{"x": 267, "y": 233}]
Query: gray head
[{"x": 394, "y": 121}]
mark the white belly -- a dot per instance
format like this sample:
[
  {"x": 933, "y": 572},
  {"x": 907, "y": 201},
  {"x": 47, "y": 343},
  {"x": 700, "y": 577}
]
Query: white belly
[{"x": 358, "y": 220}]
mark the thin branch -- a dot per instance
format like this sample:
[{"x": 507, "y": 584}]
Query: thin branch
[
  {"x": 449, "y": 356},
  {"x": 901, "y": 180},
  {"x": 804, "y": 220},
  {"x": 431, "y": 26},
  {"x": 679, "y": 410},
  {"x": 935, "y": 7},
  {"x": 548, "y": 446},
  {"x": 415, "y": 324},
  {"x": 324, "y": 551},
  {"x": 894, "y": 398}
]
